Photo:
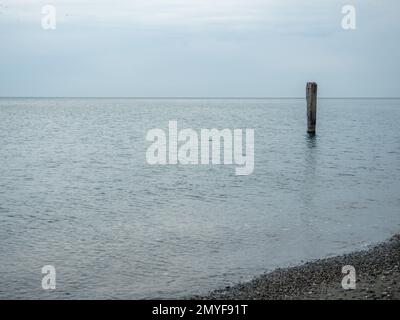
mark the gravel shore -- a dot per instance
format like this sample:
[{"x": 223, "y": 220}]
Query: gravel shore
[{"x": 377, "y": 274}]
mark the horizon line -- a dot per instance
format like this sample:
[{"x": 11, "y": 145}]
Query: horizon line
[{"x": 186, "y": 98}]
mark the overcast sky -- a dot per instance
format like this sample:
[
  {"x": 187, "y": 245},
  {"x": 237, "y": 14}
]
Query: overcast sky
[{"x": 202, "y": 48}]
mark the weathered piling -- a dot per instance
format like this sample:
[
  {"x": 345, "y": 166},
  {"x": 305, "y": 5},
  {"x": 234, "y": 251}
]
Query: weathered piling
[{"x": 311, "y": 92}]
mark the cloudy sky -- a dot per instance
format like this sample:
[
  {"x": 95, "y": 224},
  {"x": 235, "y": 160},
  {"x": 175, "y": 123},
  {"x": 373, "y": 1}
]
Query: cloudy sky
[{"x": 202, "y": 48}]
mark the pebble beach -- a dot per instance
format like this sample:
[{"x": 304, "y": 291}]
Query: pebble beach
[{"x": 377, "y": 278}]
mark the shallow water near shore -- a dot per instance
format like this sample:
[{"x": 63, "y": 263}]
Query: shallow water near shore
[{"x": 76, "y": 192}]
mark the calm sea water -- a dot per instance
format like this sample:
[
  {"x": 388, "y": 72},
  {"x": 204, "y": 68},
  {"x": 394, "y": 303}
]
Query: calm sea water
[{"x": 76, "y": 193}]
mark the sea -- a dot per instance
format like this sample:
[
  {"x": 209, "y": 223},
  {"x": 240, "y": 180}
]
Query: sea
[{"x": 77, "y": 193}]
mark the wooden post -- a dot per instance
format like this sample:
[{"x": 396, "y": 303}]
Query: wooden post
[{"x": 311, "y": 106}]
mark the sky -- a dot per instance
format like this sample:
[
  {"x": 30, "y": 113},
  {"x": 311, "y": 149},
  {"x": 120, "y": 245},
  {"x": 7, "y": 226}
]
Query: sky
[{"x": 199, "y": 48}]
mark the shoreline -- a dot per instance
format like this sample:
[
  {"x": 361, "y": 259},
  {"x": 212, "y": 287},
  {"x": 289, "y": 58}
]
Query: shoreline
[{"x": 377, "y": 277}]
